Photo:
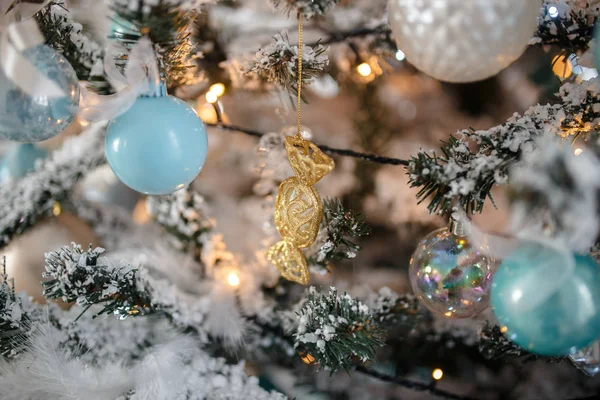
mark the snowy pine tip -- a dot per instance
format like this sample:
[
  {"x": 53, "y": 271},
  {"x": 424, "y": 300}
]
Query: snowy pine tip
[
  {"x": 278, "y": 63},
  {"x": 308, "y": 8},
  {"x": 336, "y": 329}
]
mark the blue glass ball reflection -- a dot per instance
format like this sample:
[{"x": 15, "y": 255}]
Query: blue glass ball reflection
[
  {"x": 450, "y": 276},
  {"x": 19, "y": 160},
  {"x": 158, "y": 146},
  {"x": 545, "y": 308},
  {"x": 32, "y": 119}
]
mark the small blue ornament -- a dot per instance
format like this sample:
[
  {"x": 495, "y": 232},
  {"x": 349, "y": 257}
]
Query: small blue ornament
[
  {"x": 120, "y": 27},
  {"x": 19, "y": 160},
  {"x": 158, "y": 146},
  {"x": 32, "y": 119},
  {"x": 544, "y": 307}
]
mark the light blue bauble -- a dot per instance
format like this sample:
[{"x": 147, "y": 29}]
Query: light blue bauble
[
  {"x": 158, "y": 146},
  {"x": 120, "y": 27},
  {"x": 19, "y": 160},
  {"x": 597, "y": 47},
  {"x": 544, "y": 307},
  {"x": 32, "y": 119}
]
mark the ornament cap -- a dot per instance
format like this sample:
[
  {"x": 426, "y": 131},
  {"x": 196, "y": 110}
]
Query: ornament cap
[
  {"x": 156, "y": 89},
  {"x": 457, "y": 227}
]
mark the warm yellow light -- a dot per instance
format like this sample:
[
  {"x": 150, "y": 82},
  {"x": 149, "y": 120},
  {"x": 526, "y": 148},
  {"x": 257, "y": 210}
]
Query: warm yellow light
[
  {"x": 428, "y": 269},
  {"x": 211, "y": 97},
  {"x": 233, "y": 279},
  {"x": 578, "y": 151},
  {"x": 307, "y": 358},
  {"x": 437, "y": 374},
  {"x": 364, "y": 69},
  {"x": 218, "y": 89},
  {"x": 56, "y": 209},
  {"x": 448, "y": 314},
  {"x": 562, "y": 67},
  {"x": 140, "y": 212},
  {"x": 503, "y": 329}
]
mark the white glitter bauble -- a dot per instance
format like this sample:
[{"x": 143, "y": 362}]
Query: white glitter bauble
[{"x": 463, "y": 40}]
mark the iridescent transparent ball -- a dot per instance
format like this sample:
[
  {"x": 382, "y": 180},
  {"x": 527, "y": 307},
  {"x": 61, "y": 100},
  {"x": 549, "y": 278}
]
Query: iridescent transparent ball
[
  {"x": 25, "y": 118},
  {"x": 450, "y": 276}
]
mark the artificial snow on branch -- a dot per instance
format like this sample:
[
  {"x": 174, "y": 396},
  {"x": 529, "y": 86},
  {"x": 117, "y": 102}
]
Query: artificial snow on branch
[
  {"x": 278, "y": 63},
  {"x": 33, "y": 197},
  {"x": 568, "y": 24},
  {"x": 82, "y": 277},
  {"x": 168, "y": 24},
  {"x": 337, "y": 329},
  {"x": 184, "y": 216},
  {"x": 66, "y": 36},
  {"x": 342, "y": 227},
  {"x": 469, "y": 176},
  {"x": 308, "y": 8},
  {"x": 560, "y": 188}
]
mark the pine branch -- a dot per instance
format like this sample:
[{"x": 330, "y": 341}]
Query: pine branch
[
  {"x": 278, "y": 64},
  {"x": 33, "y": 197},
  {"x": 343, "y": 228},
  {"x": 469, "y": 176},
  {"x": 494, "y": 345},
  {"x": 308, "y": 8},
  {"x": 184, "y": 216},
  {"x": 81, "y": 276},
  {"x": 66, "y": 36},
  {"x": 336, "y": 330},
  {"x": 571, "y": 30},
  {"x": 168, "y": 25},
  {"x": 11, "y": 315}
]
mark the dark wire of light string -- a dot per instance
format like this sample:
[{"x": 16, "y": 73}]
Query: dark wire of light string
[{"x": 370, "y": 157}]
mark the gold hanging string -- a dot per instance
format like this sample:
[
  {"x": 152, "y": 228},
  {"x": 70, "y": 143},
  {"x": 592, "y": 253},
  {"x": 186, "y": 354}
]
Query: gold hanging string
[{"x": 300, "y": 45}]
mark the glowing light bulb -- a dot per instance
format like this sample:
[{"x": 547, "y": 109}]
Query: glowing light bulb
[
  {"x": 553, "y": 11},
  {"x": 400, "y": 56},
  {"x": 437, "y": 374},
  {"x": 578, "y": 151},
  {"x": 211, "y": 97},
  {"x": 364, "y": 69},
  {"x": 233, "y": 279},
  {"x": 218, "y": 89},
  {"x": 307, "y": 358},
  {"x": 504, "y": 329},
  {"x": 562, "y": 67},
  {"x": 56, "y": 209}
]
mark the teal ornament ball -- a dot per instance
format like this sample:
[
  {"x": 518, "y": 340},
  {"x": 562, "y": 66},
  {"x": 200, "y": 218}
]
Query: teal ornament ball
[
  {"x": 121, "y": 28},
  {"x": 542, "y": 305},
  {"x": 19, "y": 160},
  {"x": 24, "y": 118},
  {"x": 451, "y": 276},
  {"x": 158, "y": 146}
]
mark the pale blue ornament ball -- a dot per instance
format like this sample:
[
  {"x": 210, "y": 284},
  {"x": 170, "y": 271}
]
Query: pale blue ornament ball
[
  {"x": 158, "y": 146},
  {"x": 545, "y": 307},
  {"x": 19, "y": 160},
  {"x": 32, "y": 119},
  {"x": 120, "y": 27}
]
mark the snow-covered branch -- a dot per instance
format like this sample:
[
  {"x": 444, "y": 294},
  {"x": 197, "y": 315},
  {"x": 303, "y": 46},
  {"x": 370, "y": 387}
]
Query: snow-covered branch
[
  {"x": 470, "y": 175},
  {"x": 33, "y": 197},
  {"x": 278, "y": 63},
  {"x": 334, "y": 329}
]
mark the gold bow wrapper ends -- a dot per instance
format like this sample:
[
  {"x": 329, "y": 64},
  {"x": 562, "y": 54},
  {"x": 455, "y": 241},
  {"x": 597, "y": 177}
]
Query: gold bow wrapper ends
[{"x": 298, "y": 208}]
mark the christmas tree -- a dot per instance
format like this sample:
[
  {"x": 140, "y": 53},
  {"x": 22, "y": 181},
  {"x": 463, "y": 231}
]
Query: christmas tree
[{"x": 303, "y": 199}]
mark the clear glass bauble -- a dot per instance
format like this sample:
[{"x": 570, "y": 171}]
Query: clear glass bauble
[
  {"x": 24, "y": 118},
  {"x": 450, "y": 276}
]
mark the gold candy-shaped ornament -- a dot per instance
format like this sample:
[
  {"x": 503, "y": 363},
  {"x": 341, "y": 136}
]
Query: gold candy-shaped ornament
[{"x": 298, "y": 209}]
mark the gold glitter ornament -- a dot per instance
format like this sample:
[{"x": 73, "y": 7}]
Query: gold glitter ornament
[{"x": 298, "y": 208}]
